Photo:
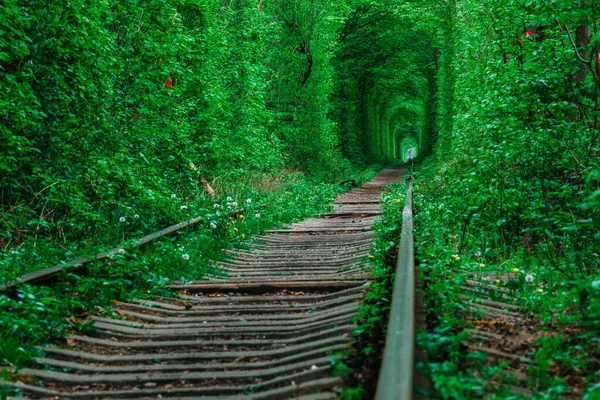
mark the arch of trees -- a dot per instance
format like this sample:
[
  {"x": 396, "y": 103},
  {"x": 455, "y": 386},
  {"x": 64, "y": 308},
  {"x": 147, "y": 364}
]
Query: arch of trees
[
  {"x": 105, "y": 105},
  {"x": 387, "y": 64}
]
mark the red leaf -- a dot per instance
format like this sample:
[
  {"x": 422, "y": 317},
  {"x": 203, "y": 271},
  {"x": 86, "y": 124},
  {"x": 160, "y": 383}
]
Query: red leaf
[
  {"x": 169, "y": 82},
  {"x": 526, "y": 33},
  {"x": 598, "y": 67},
  {"x": 134, "y": 115},
  {"x": 7, "y": 67}
]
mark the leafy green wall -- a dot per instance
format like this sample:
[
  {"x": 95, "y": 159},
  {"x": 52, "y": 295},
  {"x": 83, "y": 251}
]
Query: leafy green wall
[
  {"x": 104, "y": 105},
  {"x": 512, "y": 194},
  {"x": 518, "y": 130}
]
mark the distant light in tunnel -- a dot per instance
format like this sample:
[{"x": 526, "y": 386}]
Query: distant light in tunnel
[
  {"x": 408, "y": 148},
  {"x": 409, "y": 152}
]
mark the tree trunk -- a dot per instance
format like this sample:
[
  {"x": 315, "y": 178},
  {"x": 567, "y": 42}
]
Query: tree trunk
[{"x": 582, "y": 39}]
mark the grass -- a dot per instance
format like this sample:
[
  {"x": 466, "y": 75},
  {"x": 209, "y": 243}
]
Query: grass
[
  {"x": 372, "y": 318},
  {"x": 564, "y": 310}
]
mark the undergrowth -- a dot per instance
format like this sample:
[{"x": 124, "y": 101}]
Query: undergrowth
[
  {"x": 271, "y": 192},
  {"x": 372, "y": 318},
  {"x": 566, "y": 307}
]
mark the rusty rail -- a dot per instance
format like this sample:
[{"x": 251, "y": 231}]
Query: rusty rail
[
  {"x": 397, "y": 369},
  {"x": 47, "y": 274}
]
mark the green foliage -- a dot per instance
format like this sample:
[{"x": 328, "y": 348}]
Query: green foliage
[
  {"x": 386, "y": 81},
  {"x": 513, "y": 184},
  {"x": 117, "y": 115},
  {"x": 338, "y": 367},
  {"x": 106, "y": 105},
  {"x": 528, "y": 138},
  {"x": 36, "y": 315},
  {"x": 120, "y": 117},
  {"x": 351, "y": 394}
]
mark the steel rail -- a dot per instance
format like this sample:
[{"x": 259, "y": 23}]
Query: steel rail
[
  {"x": 47, "y": 274},
  {"x": 397, "y": 368}
]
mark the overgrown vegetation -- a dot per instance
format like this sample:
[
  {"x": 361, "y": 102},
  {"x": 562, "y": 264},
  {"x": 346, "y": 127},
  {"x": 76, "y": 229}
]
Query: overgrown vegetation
[
  {"x": 37, "y": 315},
  {"x": 123, "y": 117},
  {"x": 117, "y": 109},
  {"x": 513, "y": 188}
]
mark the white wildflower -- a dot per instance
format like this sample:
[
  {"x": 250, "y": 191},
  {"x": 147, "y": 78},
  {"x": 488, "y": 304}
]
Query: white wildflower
[
  {"x": 216, "y": 206},
  {"x": 248, "y": 201},
  {"x": 529, "y": 278},
  {"x": 183, "y": 208},
  {"x": 229, "y": 199},
  {"x": 185, "y": 256},
  {"x": 173, "y": 196},
  {"x": 229, "y": 207},
  {"x": 213, "y": 225},
  {"x": 477, "y": 254},
  {"x": 122, "y": 219},
  {"x": 235, "y": 204},
  {"x": 257, "y": 215},
  {"x": 136, "y": 216}
]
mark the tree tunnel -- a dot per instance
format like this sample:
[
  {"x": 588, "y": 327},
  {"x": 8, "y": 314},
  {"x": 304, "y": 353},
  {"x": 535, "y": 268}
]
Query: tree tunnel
[
  {"x": 408, "y": 139},
  {"x": 387, "y": 71}
]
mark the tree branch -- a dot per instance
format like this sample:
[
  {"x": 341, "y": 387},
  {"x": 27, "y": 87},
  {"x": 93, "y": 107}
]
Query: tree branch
[{"x": 575, "y": 47}]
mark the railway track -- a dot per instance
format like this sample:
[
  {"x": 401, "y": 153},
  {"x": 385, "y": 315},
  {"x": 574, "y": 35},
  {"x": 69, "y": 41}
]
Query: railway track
[{"x": 267, "y": 331}]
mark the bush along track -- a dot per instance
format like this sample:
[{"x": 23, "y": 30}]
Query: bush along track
[
  {"x": 36, "y": 315},
  {"x": 499, "y": 325},
  {"x": 372, "y": 318}
]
